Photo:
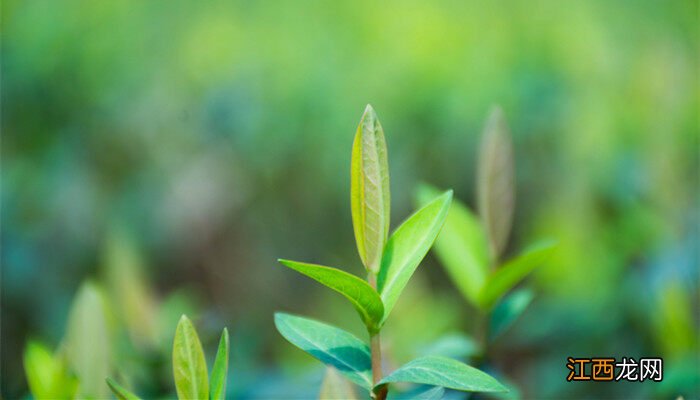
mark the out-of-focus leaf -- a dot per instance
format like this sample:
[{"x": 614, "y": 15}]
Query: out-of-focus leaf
[
  {"x": 120, "y": 392},
  {"x": 407, "y": 246},
  {"x": 673, "y": 320},
  {"x": 218, "y": 373},
  {"x": 125, "y": 276},
  {"x": 87, "y": 344},
  {"x": 189, "y": 365},
  {"x": 513, "y": 392},
  {"x": 335, "y": 387},
  {"x": 513, "y": 271},
  {"x": 456, "y": 345},
  {"x": 174, "y": 305},
  {"x": 369, "y": 190},
  {"x": 332, "y": 346},
  {"x": 445, "y": 372},
  {"x": 419, "y": 393},
  {"x": 363, "y": 297},
  {"x": 461, "y": 246},
  {"x": 496, "y": 181},
  {"x": 508, "y": 310},
  {"x": 47, "y": 375}
]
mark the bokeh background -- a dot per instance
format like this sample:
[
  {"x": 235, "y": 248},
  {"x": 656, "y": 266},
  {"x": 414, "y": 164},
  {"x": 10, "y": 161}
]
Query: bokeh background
[{"x": 171, "y": 151}]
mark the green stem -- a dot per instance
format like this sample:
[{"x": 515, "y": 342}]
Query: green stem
[
  {"x": 376, "y": 353},
  {"x": 376, "y": 350},
  {"x": 481, "y": 336}
]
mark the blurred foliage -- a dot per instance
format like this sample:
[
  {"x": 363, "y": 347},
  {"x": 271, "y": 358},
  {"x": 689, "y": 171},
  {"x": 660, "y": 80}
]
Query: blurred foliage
[{"x": 216, "y": 136}]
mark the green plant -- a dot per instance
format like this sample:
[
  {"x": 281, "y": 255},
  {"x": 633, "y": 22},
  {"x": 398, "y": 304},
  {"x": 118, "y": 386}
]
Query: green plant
[
  {"x": 470, "y": 247},
  {"x": 190, "y": 367},
  {"x": 389, "y": 261},
  {"x": 78, "y": 367}
]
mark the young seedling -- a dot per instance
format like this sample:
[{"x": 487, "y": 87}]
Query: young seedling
[
  {"x": 190, "y": 367},
  {"x": 389, "y": 261},
  {"x": 78, "y": 367},
  {"x": 470, "y": 247}
]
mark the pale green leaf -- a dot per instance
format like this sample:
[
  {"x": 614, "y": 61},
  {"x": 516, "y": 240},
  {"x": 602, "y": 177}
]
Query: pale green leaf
[
  {"x": 496, "y": 181},
  {"x": 363, "y": 297},
  {"x": 513, "y": 271},
  {"x": 220, "y": 369},
  {"x": 407, "y": 247},
  {"x": 87, "y": 344},
  {"x": 336, "y": 387},
  {"x": 189, "y": 365},
  {"x": 121, "y": 392},
  {"x": 127, "y": 282},
  {"x": 47, "y": 375},
  {"x": 369, "y": 190},
  {"x": 508, "y": 310},
  {"x": 455, "y": 345},
  {"x": 461, "y": 247},
  {"x": 332, "y": 346},
  {"x": 445, "y": 372}
]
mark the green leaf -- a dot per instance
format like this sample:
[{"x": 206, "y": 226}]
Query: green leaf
[
  {"x": 419, "y": 393},
  {"x": 445, "y": 372},
  {"x": 218, "y": 373},
  {"x": 461, "y": 247},
  {"x": 496, "y": 181},
  {"x": 369, "y": 190},
  {"x": 87, "y": 344},
  {"x": 47, "y": 375},
  {"x": 512, "y": 272},
  {"x": 335, "y": 387},
  {"x": 120, "y": 392},
  {"x": 407, "y": 247},
  {"x": 126, "y": 281},
  {"x": 363, "y": 297},
  {"x": 332, "y": 346},
  {"x": 455, "y": 345},
  {"x": 508, "y": 310},
  {"x": 189, "y": 365}
]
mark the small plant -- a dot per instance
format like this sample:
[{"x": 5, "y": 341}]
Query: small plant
[
  {"x": 190, "y": 367},
  {"x": 78, "y": 367},
  {"x": 470, "y": 247},
  {"x": 389, "y": 261}
]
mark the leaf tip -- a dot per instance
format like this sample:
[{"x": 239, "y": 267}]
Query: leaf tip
[
  {"x": 184, "y": 320},
  {"x": 497, "y": 111}
]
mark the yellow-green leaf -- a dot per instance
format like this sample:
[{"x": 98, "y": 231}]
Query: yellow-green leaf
[
  {"x": 87, "y": 345},
  {"x": 189, "y": 365},
  {"x": 363, "y": 297},
  {"x": 220, "y": 370},
  {"x": 369, "y": 190},
  {"x": 407, "y": 247},
  {"x": 496, "y": 181},
  {"x": 127, "y": 282},
  {"x": 47, "y": 375},
  {"x": 461, "y": 246},
  {"x": 512, "y": 272},
  {"x": 120, "y": 392}
]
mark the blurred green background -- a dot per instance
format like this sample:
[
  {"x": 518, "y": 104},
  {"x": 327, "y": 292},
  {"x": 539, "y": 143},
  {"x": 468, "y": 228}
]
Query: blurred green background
[{"x": 181, "y": 147}]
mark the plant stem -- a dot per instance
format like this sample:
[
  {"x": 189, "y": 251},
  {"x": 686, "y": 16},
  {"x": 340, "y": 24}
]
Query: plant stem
[
  {"x": 481, "y": 336},
  {"x": 376, "y": 352}
]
